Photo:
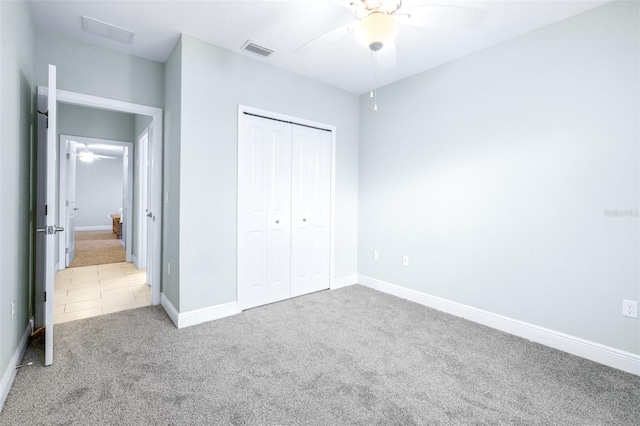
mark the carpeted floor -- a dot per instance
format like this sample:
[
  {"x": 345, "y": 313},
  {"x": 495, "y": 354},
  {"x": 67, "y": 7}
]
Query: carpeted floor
[
  {"x": 97, "y": 248},
  {"x": 349, "y": 356}
]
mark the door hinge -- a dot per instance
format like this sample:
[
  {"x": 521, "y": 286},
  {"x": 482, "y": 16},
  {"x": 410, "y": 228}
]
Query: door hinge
[
  {"x": 66, "y": 250},
  {"x": 67, "y": 203},
  {"x": 46, "y": 209},
  {"x": 45, "y": 296},
  {"x": 68, "y": 156}
]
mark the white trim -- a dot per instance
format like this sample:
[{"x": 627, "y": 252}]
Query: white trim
[
  {"x": 94, "y": 228},
  {"x": 155, "y": 146},
  {"x": 10, "y": 372},
  {"x": 134, "y": 260},
  {"x": 297, "y": 120},
  {"x": 81, "y": 99},
  {"x": 198, "y": 316},
  {"x": 345, "y": 281},
  {"x": 141, "y": 176},
  {"x": 593, "y": 351},
  {"x": 169, "y": 308}
]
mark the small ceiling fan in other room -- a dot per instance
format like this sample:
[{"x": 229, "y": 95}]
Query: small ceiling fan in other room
[
  {"x": 87, "y": 156},
  {"x": 376, "y": 24}
]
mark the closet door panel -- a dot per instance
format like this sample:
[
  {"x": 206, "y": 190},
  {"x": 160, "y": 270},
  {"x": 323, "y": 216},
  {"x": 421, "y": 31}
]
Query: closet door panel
[
  {"x": 279, "y": 212},
  {"x": 310, "y": 210},
  {"x": 263, "y": 212}
]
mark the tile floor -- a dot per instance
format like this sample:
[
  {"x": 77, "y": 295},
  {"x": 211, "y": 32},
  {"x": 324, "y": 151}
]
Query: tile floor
[{"x": 89, "y": 291}]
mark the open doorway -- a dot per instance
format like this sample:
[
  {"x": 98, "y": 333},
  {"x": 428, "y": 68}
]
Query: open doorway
[
  {"x": 96, "y": 192},
  {"x": 107, "y": 212},
  {"x": 96, "y": 274}
]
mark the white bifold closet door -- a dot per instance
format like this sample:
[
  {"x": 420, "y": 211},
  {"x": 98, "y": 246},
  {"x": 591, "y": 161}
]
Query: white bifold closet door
[
  {"x": 284, "y": 179},
  {"x": 310, "y": 210}
]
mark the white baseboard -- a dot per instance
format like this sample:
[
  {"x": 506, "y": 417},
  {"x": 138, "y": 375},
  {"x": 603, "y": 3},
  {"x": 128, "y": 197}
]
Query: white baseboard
[
  {"x": 198, "y": 316},
  {"x": 345, "y": 281},
  {"x": 169, "y": 309},
  {"x": 134, "y": 260},
  {"x": 94, "y": 228},
  {"x": 593, "y": 351},
  {"x": 10, "y": 371}
]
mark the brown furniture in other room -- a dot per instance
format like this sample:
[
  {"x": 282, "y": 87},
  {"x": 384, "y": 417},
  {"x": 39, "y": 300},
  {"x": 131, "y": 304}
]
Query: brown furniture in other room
[{"x": 117, "y": 225}]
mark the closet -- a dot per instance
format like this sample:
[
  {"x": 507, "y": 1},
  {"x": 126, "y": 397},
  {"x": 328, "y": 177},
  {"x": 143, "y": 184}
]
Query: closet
[{"x": 284, "y": 210}]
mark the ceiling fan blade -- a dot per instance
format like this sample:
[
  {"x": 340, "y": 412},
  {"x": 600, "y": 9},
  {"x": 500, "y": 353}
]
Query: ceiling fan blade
[
  {"x": 349, "y": 4},
  {"x": 325, "y": 39},
  {"x": 106, "y": 157},
  {"x": 386, "y": 57},
  {"x": 453, "y": 17}
]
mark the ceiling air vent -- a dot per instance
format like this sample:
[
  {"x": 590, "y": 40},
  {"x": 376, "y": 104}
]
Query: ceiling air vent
[
  {"x": 250, "y": 46},
  {"x": 103, "y": 29}
]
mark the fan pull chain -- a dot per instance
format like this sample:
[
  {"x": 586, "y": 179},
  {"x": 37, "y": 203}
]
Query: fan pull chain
[{"x": 374, "y": 92}]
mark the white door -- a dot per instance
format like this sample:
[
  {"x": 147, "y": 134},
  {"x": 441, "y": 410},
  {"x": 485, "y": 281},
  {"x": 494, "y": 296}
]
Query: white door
[
  {"x": 264, "y": 211},
  {"x": 152, "y": 270},
  {"x": 46, "y": 228},
  {"x": 143, "y": 178},
  {"x": 310, "y": 210},
  {"x": 124, "y": 217},
  {"x": 70, "y": 224}
]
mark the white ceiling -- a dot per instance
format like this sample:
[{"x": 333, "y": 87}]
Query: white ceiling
[{"x": 286, "y": 25}]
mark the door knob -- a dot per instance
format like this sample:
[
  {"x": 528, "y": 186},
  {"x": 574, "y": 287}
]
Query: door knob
[
  {"x": 50, "y": 230},
  {"x": 277, "y": 221},
  {"x": 304, "y": 219},
  {"x": 149, "y": 214},
  {"x": 75, "y": 208}
]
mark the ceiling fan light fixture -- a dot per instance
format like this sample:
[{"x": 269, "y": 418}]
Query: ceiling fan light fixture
[
  {"x": 376, "y": 30},
  {"x": 86, "y": 156},
  {"x": 363, "y": 8}
]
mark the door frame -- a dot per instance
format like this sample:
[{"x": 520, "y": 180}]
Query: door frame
[
  {"x": 142, "y": 183},
  {"x": 242, "y": 109},
  {"x": 155, "y": 148},
  {"x": 62, "y": 199}
]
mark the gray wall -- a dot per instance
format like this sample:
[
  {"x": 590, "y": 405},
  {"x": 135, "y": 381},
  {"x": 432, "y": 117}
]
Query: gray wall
[
  {"x": 214, "y": 83},
  {"x": 16, "y": 96},
  {"x": 99, "y": 191},
  {"x": 96, "y": 71},
  {"x": 493, "y": 173},
  {"x": 171, "y": 176},
  {"x": 140, "y": 123},
  {"x": 95, "y": 123}
]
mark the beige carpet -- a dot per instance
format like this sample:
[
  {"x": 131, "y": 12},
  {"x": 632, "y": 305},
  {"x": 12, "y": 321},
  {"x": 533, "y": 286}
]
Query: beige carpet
[{"x": 97, "y": 248}]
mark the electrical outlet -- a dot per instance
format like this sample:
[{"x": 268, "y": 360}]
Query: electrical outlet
[
  {"x": 376, "y": 255},
  {"x": 630, "y": 308},
  {"x": 13, "y": 309},
  {"x": 168, "y": 268},
  {"x": 166, "y": 198},
  {"x": 405, "y": 260}
]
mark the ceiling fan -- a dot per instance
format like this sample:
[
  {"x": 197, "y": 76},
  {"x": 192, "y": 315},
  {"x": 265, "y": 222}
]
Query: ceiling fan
[
  {"x": 87, "y": 156},
  {"x": 376, "y": 25}
]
